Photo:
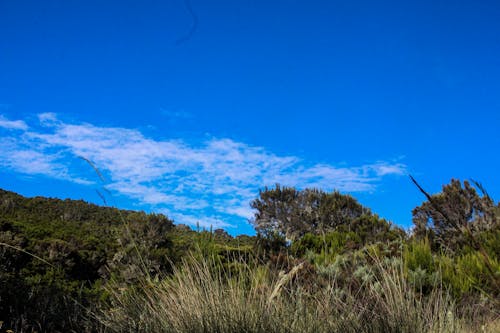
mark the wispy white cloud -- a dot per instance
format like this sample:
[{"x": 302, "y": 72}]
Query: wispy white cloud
[
  {"x": 13, "y": 124},
  {"x": 210, "y": 183},
  {"x": 47, "y": 118},
  {"x": 36, "y": 158},
  {"x": 383, "y": 168},
  {"x": 202, "y": 221}
]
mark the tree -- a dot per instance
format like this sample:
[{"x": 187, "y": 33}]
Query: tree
[
  {"x": 289, "y": 212},
  {"x": 450, "y": 219}
]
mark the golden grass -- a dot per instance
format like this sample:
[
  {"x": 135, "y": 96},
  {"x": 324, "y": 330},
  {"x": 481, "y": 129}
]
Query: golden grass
[{"x": 203, "y": 297}]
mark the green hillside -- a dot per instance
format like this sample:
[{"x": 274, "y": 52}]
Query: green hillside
[{"x": 317, "y": 258}]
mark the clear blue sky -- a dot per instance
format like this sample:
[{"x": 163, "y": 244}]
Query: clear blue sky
[{"x": 189, "y": 107}]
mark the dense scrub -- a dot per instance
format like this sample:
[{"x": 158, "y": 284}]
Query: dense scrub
[{"x": 320, "y": 262}]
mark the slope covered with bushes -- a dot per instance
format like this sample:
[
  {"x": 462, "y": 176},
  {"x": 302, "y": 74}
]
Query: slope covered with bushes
[{"x": 320, "y": 262}]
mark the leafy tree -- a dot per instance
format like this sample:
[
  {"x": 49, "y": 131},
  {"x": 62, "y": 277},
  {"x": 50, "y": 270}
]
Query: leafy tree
[
  {"x": 293, "y": 213},
  {"x": 452, "y": 218}
]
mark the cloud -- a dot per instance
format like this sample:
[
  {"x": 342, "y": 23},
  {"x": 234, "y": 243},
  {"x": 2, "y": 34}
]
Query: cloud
[
  {"x": 47, "y": 118},
  {"x": 382, "y": 169},
  {"x": 211, "y": 183},
  {"x": 12, "y": 124},
  {"x": 200, "y": 221},
  {"x": 24, "y": 156}
]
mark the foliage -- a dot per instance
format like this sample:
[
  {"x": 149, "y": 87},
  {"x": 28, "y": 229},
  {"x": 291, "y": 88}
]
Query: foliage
[
  {"x": 202, "y": 297},
  {"x": 451, "y": 218},
  {"x": 320, "y": 262},
  {"x": 56, "y": 254},
  {"x": 292, "y": 213}
]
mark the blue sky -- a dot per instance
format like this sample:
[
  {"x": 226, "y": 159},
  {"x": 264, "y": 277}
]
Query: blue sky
[{"x": 189, "y": 107}]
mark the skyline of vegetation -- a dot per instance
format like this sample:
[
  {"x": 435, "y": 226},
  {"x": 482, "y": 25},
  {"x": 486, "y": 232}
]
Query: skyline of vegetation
[{"x": 79, "y": 261}]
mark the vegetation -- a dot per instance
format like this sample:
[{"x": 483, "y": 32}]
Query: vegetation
[{"x": 320, "y": 262}]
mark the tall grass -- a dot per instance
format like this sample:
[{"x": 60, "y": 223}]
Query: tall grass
[{"x": 204, "y": 296}]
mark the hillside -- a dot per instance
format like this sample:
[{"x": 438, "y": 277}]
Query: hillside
[
  {"x": 57, "y": 251},
  {"x": 67, "y": 265}
]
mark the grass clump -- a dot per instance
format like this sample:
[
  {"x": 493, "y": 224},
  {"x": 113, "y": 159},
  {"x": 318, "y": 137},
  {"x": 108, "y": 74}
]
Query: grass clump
[{"x": 204, "y": 296}]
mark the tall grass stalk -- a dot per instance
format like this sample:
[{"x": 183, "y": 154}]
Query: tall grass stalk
[
  {"x": 403, "y": 308},
  {"x": 202, "y": 296}
]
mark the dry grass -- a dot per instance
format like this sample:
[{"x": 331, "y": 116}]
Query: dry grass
[{"x": 202, "y": 297}]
